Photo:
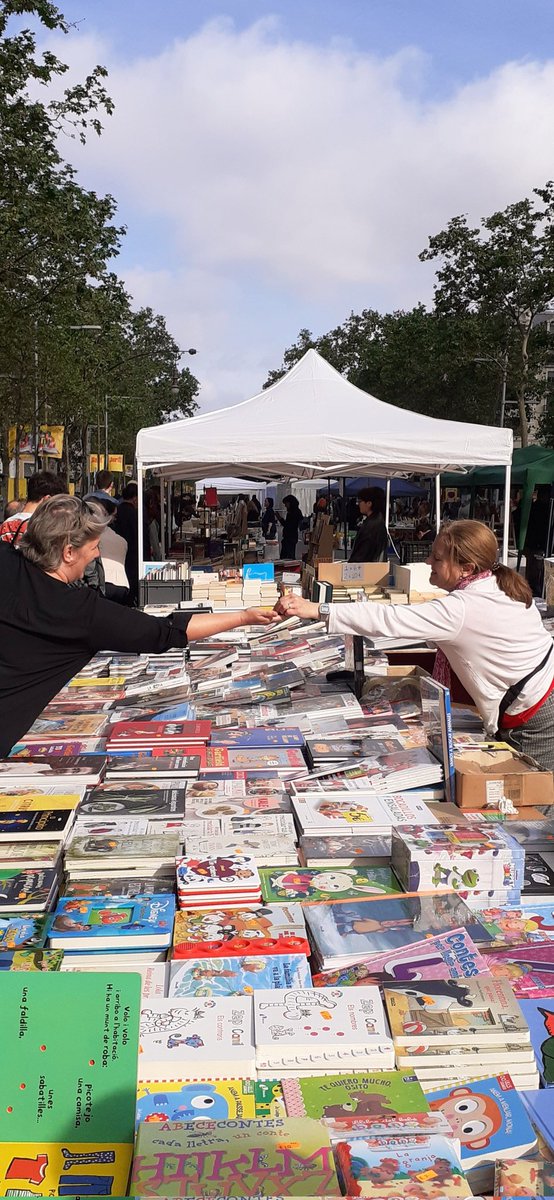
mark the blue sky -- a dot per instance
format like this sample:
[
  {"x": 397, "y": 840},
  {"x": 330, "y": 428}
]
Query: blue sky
[{"x": 281, "y": 164}]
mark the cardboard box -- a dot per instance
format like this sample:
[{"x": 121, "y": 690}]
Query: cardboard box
[
  {"x": 483, "y": 777},
  {"x": 414, "y": 578},
  {"x": 352, "y": 573}
]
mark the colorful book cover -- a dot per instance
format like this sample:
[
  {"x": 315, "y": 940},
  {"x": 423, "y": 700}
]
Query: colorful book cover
[
  {"x": 100, "y": 850},
  {"x": 529, "y": 969},
  {"x": 488, "y": 1118},
  {"x": 76, "y": 726},
  {"x": 538, "y": 1105},
  {"x": 181, "y": 766},
  {"x": 539, "y": 1015},
  {"x": 40, "y": 825},
  {"x": 376, "y": 1102},
  {"x": 281, "y": 924},
  {"x": 143, "y": 921},
  {"x": 524, "y": 1177},
  {"x": 201, "y": 808},
  {"x": 107, "y": 886},
  {"x": 480, "y": 1010},
  {"x": 515, "y": 926},
  {"x": 461, "y": 857},
  {"x": 356, "y": 929},
  {"x": 31, "y": 890},
  {"x": 444, "y": 956},
  {"x": 276, "y": 1157},
  {"x": 150, "y": 732},
  {"x": 31, "y": 960},
  {"x": 345, "y": 812},
  {"x": 32, "y": 799},
  {"x": 238, "y": 976},
  {"x": 423, "y": 1168},
  {"x": 67, "y": 1086},
  {"x": 257, "y": 739},
  {"x": 217, "y": 1100},
  {"x": 315, "y": 884},
  {"x": 21, "y": 933},
  {"x": 77, "y": 747},
  {"x": 211, "y": 873}
]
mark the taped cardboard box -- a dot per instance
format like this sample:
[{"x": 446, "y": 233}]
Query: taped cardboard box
[
  {"x": 486, "y": 777},
  {"x": 352, "y": 573}
]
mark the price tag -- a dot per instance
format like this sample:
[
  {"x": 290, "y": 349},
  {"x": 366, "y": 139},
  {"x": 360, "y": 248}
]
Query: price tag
[{"x": 353, "y": 573}]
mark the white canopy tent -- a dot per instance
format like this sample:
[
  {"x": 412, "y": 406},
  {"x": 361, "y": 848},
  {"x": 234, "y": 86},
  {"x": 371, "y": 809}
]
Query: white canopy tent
[
  {"x": 228, "y": 486},
  {"x": 312, "y": 423}
]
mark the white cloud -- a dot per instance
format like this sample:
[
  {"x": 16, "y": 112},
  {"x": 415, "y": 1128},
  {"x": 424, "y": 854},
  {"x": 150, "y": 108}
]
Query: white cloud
[{"x": 315, "y": 172}]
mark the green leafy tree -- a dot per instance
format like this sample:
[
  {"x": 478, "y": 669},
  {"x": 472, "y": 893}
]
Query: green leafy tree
[{"x": 503, "y": 274}]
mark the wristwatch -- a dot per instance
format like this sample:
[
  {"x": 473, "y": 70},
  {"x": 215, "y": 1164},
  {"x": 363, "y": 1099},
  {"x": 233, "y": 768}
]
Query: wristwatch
[{"x": 324, "y": 611}]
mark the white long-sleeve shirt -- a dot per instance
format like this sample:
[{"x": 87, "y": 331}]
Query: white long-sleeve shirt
[{"x": 490, "y": 641}]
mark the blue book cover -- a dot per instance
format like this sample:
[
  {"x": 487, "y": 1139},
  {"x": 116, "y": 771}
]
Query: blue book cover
[
  {"x": 540, "y": 1110},
  {"x": 437, "y": 716},
  {"x": 264, "y": 571},
  {"x": 257, "y": 739},
  {"x": 21, "y": 933},
  {"x": 94, "y": 922},
  {"x": 488, "y": 1117},
  {"x": 350, "y": 930},
  {"x": 238, "y": 976},
  {"x": 539, "y": 1015}
]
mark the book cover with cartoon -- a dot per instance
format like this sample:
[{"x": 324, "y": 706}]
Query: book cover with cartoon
[
  {"x": 280, "y": 924},
  {"x": 524, "y": 1177},
  {"x": 194, "y": 1159},
  {"x": 444, "y": 956},
  {"x": 311, "y": 1026},
  {"x": 84, "y": 921},
  {"x": 529, "y": 969},
  {"x": 21, "y": 932},
  {"x": 313, "y": 884},
  {"x": 483, "y": 1010},
  {"x": 423, "y": 1168},
  {"x": 376, "y": 1102},
  {"x": 514, "y": 926},
  {"x": 461, "y": 858},
  {"x": 201, "y": 1036},
  {"x": 67, "y": 1087},
  {"x": 31, "y": 960},
  {"x": 539, "y": 1015},
  {"x": 238, "y": 976},
  {"x": 487, "y": 1117},
  {"x": 218, "y": 1100},
  {"x": 209, "y": 873},
  {"x": 31, "y": 891}
]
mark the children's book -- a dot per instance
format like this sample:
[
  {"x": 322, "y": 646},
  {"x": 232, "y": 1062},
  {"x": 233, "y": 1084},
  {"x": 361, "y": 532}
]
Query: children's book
[
  {"x": 257, "y": 739},
  {"x": 351, "y": 812},
  {"x": 31, "y": 960},
  {"x": 538, "y": 875},
  {"x": 512, "y": 925},
  {"x": 216, "y": 1100},
  {"x": 488, "y": 1118},
  {"x": 479, "y": 1011},
  {"x": 379, "y": 1102},
  {"x": 529, "y": 969},
  {"x": 524, "y": 1177},
  {"x": 206, "y": 1038},
  {"x": 538, "y": 1105},
  {"x": 70, "y": 726},
  {"x": 218, "y": 758},
  {"x": 219, "y": 805},
  {"x": 351, "y": 931},
  {"x": 264, "y": 848},
  {"x": 313, "y": 1028},
  {"x": 445, "y": 956},
  {"x": 22, "y": 932},
  {"x": 153, "y": 976},
  {"x": 539, "y": 1015},
  {"x": 43, "y": 825},
  {"x": 301, "y": 883},
  {"x": 277, "y": 1157},
  {"x": 94, "y": 923},
  {"x": 459, "y": 857},
  {"x": 27, "y": 891},
  {"x": 238, "y": 976},
  {"x": 277, "y": 928},
  {"x": 68, "y": 1083},
  {"x": 230, "y": 876},
  {"x": 423, "y": 1168}
]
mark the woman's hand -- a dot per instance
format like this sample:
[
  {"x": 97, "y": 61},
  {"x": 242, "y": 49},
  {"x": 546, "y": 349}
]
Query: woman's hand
[
  {"x": 260, "y": 616},
  {"x": 295, "y": 606}
]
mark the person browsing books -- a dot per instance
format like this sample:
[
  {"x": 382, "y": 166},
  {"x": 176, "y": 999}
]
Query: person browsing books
[
  {"x": 51, "y": 624},
  {"x": 370, "y": 543},
  {"x": 486, "y": 630}
]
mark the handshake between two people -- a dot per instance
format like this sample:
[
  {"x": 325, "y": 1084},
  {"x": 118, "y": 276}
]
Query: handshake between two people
[{"x": 287, "y": 606}]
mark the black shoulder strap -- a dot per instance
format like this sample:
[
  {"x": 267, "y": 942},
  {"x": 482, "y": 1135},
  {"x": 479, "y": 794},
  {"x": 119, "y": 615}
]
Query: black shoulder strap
[{"x": 514, "y": 691}]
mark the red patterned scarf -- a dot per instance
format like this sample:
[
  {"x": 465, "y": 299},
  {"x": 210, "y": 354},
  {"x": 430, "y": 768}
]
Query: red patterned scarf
[{"x": 441, "y": 669}]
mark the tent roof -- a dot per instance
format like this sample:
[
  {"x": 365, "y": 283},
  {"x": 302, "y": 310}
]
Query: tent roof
[
  {"x": 314, "y": 422},
  {"x": 528, "y": 462}
]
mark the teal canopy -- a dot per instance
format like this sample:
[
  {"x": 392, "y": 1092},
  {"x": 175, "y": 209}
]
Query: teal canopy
[{"x": 531, "y": 465}]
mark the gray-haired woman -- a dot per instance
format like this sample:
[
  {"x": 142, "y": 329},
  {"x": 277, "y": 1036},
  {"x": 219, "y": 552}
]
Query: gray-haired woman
[{"x": 50, "y": 630}]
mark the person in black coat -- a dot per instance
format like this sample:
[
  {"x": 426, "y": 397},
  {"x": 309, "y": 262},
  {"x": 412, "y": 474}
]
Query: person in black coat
[
  {"x": 269, "y": 520},
  {"x": 291, "y": 525},
  {"x": 371, "y": 540}
]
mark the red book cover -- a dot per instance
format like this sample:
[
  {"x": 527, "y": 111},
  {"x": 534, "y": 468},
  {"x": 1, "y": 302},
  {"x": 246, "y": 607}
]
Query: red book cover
[{"x": 149, "y": 732}]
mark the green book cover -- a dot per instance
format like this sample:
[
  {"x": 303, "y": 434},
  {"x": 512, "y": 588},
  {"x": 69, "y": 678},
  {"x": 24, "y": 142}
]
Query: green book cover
[
  {"x": 234, "y": 1158},
  {"x": 322, "y": 883},
  {"x": 378, "y": 1102},
  {"x": 68, "y": 1082}
]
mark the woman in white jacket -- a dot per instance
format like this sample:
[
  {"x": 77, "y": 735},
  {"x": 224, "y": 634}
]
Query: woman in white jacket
[{"x": 486, "y": 629}]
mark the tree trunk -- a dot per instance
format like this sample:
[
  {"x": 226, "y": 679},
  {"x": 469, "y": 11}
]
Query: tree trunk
[{"x": 523, "y": 423}]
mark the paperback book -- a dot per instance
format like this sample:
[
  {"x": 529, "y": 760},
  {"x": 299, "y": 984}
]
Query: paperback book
[
  {"x": 22, "y": 932},
  {"x": 257, "y": 739},
  {"x": 31, "y": 891},
  {"x": 42, "y": 825}
]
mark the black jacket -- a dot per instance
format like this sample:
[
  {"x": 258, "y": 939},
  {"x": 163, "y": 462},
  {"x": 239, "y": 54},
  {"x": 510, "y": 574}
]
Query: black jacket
[{"x": 371, "y": 541}]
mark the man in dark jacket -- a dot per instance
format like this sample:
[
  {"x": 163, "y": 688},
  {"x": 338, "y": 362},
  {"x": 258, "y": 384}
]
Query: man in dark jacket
[
  {"x": 371, "y": 540},
  {"x": 126, "y": 525}
]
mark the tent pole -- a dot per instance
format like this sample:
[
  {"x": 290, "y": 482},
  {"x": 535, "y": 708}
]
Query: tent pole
[
  {"x": 437, "y": 502},
  {"x": 387, "y": 505},
  {"x": 345, "y": 517},
  {"x": 140, "y": 515},
  {"x": 162, "y": 515},
  {"x": 506, "y": 523}
]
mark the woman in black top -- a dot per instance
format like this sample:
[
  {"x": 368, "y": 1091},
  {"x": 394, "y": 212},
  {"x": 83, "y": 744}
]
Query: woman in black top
[
  {"x": 291, "y": 524},
  {"x": 371, "y": 541},
  {"x": 269, "y": 520},
  {"x": 50, "y": 627}
]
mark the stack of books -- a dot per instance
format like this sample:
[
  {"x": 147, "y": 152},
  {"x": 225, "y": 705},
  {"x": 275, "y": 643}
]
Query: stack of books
[
  {"x": 315, "y": 1031},
  {"x": 210, "y": 880}
]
